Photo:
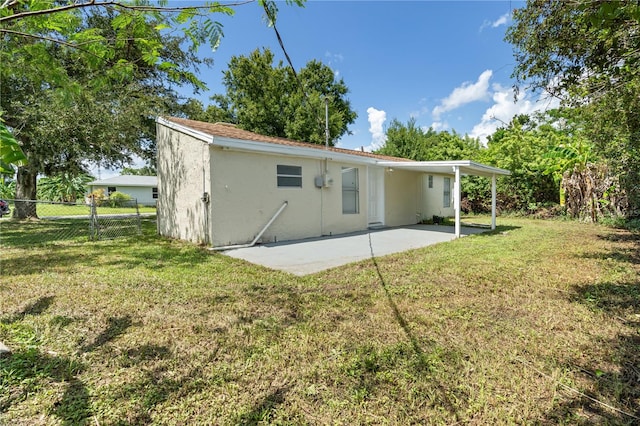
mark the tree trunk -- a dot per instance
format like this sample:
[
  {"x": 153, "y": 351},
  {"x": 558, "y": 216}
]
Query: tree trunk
[{"x": 25, "y": 190}]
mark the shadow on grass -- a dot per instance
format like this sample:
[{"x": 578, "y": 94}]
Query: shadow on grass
[
  {"x": 115, "y": 327},
  {"x": 619, "y": 388},
  {"x": 26, "y": 369},
  {"x": 500, "y": 229},
  {"x": 35, "y": 308},
  {"x": 41, "y": 231},
  {"x": 452, "y": 399},
  {"x": 627, "y": 246},
  {"x": 157, "y": 385},
  {"x": 260, "y": 413}
]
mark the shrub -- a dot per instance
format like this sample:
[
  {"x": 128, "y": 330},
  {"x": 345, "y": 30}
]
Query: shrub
[{"x": 119, "y": 199}]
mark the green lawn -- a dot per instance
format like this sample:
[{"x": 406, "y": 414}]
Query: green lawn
[
  {"x": 537, "y": 323},
  {"x": 44, "y": 209}
]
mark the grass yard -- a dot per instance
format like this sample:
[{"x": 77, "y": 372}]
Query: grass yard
[
  {"x": 538, "y": 323},
  {"x": 47, "y": 209}
]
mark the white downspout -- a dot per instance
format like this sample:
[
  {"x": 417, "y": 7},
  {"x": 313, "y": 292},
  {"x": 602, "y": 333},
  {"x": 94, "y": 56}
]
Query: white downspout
[
  {"x": 255, "y": 240},
  {"x": 493, "y": 202},
  {"x": 456, "y": 199}
]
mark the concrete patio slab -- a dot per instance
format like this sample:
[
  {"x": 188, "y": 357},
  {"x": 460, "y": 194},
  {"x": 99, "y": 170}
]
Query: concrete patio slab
[{"x": 308, "y": 256}]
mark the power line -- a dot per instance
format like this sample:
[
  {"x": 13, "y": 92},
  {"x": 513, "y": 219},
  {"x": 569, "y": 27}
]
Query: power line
[{"x": 272, "y": 20}]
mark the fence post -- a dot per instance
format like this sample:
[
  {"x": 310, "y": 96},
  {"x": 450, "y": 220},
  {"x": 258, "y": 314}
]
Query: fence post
[
  {"x": 138, "y": 217},
  {"x": 93, "y": 221}
]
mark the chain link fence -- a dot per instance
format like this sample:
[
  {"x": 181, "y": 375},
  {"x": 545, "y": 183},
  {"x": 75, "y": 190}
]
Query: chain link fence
[{"x": 48, "y": 222}]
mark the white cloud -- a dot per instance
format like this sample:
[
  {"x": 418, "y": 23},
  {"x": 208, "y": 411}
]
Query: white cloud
[
  {"x": 438, "y": 126},
  {"x": 467, "y": 92},
  {"x": 332, "y": 61},
  {"x": 504, "y": 109},
  {"x": 376, "y": 120},
  {"x": 503, "y": 20}
]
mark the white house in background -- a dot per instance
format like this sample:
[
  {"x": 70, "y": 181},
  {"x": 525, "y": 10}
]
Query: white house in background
[
  {"x": 222, "y": 186},
  {"x": 142, "y": 188}
]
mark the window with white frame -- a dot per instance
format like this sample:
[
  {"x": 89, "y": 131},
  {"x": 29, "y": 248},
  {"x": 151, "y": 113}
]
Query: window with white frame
[
  {"x": 350, "y": 191},
  {"x": 289, "y": 176},
  {"x": 430, "y": 181},
  {"x": 154, "y": 193},
  {"x": 446, "y": 194},
  {"x": 111, "y": 190}
]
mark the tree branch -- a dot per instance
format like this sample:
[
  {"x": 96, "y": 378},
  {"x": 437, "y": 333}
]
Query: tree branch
[
  {"x": 116, "y": 3},
  {"x": 53, "y": 40}
]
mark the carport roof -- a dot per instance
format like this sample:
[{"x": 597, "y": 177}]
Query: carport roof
[{"x": 466, "y": 167}]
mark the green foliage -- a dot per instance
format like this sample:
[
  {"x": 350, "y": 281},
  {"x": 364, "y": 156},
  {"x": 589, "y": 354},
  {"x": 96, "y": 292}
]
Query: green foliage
[
  {"x": 98, "y": 107},
  {"x": 64, "y": 187},
  {"x": 520, "y": 148},
  {"x": 142, "y": 171},
  {"x": 7, "y": 189},
  {"x": 411, "y": 141},
  {"x": 588, "y": 54},
  {"x": 10, "y": 151},
  {"x": 119, "y": 199},
  {"x": 269, "y": 99}
]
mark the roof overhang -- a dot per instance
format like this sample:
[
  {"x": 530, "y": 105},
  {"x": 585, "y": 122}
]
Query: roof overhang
[
  {"x": 296, "y": 151},
  {"x": 268, "y": 148},
  {"x": 466, "y": 167}
]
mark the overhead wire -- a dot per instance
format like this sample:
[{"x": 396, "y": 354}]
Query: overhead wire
[{"x": 272, "y": 21}]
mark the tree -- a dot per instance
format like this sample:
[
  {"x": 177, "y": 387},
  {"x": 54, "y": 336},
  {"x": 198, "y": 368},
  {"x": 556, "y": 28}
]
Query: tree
[
  {"x": 275, "y": 101},
  {"x": 411, "y": 141},
  {"x": 65, "y": 187},
  {"x": 519, "y": 147},
  {"x": 94, "y": 116},
  {"x": 588, "y": 55},
  {"x": 82, "y": 81},
  {"x": 142, "y": 171}
]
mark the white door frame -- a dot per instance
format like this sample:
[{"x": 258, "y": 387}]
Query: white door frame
[{"x": 375, "y": 199}]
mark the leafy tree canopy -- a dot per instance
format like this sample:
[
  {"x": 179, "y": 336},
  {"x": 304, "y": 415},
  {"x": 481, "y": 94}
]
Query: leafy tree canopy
[
  {"x": 81, "y": 81},
  {"x": 588, "y": 55},
  {"x": 142, "y": 171},
  {"x": 411, "y": 141},
  {"x": 275, "y": 101}
]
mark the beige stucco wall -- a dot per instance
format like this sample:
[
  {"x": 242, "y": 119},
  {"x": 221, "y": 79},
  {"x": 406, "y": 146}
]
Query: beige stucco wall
[
  {"x": 433, "y": 201},
  {"x": 183, "y": 176},
  {"x": 245, "y": 196},
  {"x": 402, "y": 195}
]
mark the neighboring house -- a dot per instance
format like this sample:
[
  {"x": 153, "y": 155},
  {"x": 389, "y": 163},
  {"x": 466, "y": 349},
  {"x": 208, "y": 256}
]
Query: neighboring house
[
  {"x": 220, "y": 185},
  {"x": 142, "y": 188}
]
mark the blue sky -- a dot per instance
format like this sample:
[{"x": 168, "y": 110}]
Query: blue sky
[{"x": 443, "y": 62}]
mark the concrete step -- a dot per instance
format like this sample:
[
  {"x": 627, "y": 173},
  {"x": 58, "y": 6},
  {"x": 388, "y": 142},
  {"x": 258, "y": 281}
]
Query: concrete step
[{"x": 375, "y": 225}]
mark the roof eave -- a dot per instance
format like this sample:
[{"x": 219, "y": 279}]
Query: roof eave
[
  {"x": 447, "y": 167},
  {"x": 289, "y": 150},
  {"x": 204, "y": 137}
]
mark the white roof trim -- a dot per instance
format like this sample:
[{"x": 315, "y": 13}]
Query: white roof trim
[
  {"x": 127, "y": 180},
  {"x": 296, "y": 151},
  {"x": 186, "y": 130},
  {"x": 446, "y": 167},
  {"x": 442, "y": 167}
]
